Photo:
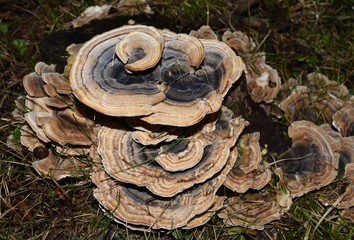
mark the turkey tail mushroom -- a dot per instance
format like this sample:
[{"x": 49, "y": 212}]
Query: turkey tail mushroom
[
  {"x": 139, "y": 50},
  {"x": 310, "y": 163}
]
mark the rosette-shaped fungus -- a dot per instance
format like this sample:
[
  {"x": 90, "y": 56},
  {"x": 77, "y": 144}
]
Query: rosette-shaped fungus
[
  {"x": 263, "y": 82},
  {"x": 341, "y": 192},
  {"x": 54, "y": 125},
  {"x": 146, "y": 106},
  {"x": 343, "y": 120},
  {"x": 254, "y": 210},
  {"x": 131, "y": 162},
  {"x": 247, "y": 172},
  {"x": 204, "y": 32},
  {"x": 162, "y": 77},
  {"x": 240, "y": 42},
  {"x": 317, "y": 100},
  {"x": 137, "y": 208},
  {"x": 139, "y": 192},
  {"x": 310, "y": 163},
  {"x": 297, "y": 106}
]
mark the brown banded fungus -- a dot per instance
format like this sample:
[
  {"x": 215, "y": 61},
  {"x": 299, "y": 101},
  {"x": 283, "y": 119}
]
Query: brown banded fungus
[
  {"x": 33, "y": 84},
  {"x": 58, "y": 167},
  {"x": 332, "y": 88},
  {"x": 263, "y": 82},
  {"x": 67, "y": 127},
  {"x": 240, "y": 182},
  {"x": 140, "y": 51},
  {"x": 147, "y": 134},
  {"x": 156, "y": 137},
  {"x": 198, "y": 80},
  {"x": 59, "y": 81},
  {"x": 99, "y": 80},
  {"x": 240, "y": 42},
  {"x": 204, "y": 32},
  {"x": 317, "y": 100},
  {"x": 190, "y": 74},
  {"x": 146, "y": 105},
  {"x": 254, "y": 210},
  {"x": 204, "y": 217},
  {"x": 310, "y": 163},
  {"x": 343, "y": 120},
  {"x": 137, "y": 208},
  {"x": 341, "y": 192},
  {"x": 45, "y": 82},
  {"x": 131, "y": 162},
  {"x": 37, "y": 109},
  {"x": 297, "y": 105},
  {"x": 29, "y": 139},
  {"x": 72, "y": 50},
  {"x": 134, "y": 7},
  {"x": 20, "y": 108},
  {"x": 42, "y": 67},
  {"x": 247, "y": 172},
  {"x": 54, "y": 124},
  {"x": 342, "y": 196},
  {"x": 181, "y": 154},
  {"x": 250, "y": 152}
]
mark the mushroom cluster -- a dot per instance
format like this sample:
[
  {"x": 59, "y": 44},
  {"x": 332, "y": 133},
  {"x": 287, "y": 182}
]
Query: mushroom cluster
[
  {"x": 263, "y": 82},
  {"x": 58, "y": 131},
  {"x": 317, "y": 100},
  {"x": 142, "y": 110},
  {"x": 159, "y": 76},
  {"x": 145, "y": 106},
  {"x": 321, "y": 116}
]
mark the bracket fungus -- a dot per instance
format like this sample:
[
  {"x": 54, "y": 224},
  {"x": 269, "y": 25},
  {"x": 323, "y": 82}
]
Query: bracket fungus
[
  {"x": 137, "y": 208},
  {"x": 131, "y": 162},
  {"x": 67, "y": 127},
  {"x": 29, "y": 139},
  {"x": 341, "y": 192},
  {"x": 53, "y": 125},
  {"x": 59, "y": 167},
  {"x": 254, "y": 210},
  {"x": 155, "y": 137},
  {"x": 250, "y": 152},
  {"x": 247, "y": 172},
  {"x": 343, "y": 120},
  {"x": 310, "y": 163},
  {"x": 190, "y": 74},
  {"x": 342, "y": 197},
  {"x": 147, "y": 106},
  {"x": 33, "y": 85},
  {"x": 204, "y": 32},
  {"x": 297, "y": 105},
  {"x": 239, "y": 41},
  {"x": 317, "y": 100},
  {"x": 140, "y": 51},
  {"x": 263, "y": 82}
]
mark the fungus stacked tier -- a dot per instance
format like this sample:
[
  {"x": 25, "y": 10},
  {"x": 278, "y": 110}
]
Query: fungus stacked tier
[
  {"x": 146, "y": 106},
  {"x": 320, "y": 113},
  {"x": 142, "y": 110}
]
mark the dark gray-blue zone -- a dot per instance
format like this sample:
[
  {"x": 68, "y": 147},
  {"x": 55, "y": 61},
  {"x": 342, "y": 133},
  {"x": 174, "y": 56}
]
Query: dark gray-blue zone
[{"x": 182, "y": 85}]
